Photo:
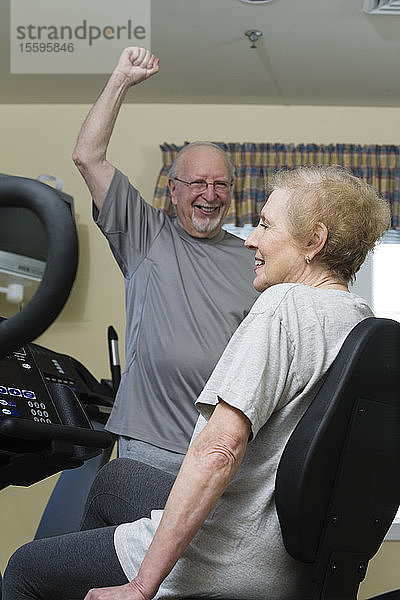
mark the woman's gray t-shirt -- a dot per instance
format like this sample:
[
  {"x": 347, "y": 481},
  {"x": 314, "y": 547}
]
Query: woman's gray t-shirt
[{"x": 271, "y": 370}]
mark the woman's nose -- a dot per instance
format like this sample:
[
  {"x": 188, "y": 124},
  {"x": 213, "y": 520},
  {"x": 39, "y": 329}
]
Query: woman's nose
[{"x": 251, "y": 241}]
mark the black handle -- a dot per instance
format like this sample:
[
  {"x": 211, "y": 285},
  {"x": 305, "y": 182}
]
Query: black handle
[
  {"x": 61, "y": 260},
  {"x": 44, "y": 432}
]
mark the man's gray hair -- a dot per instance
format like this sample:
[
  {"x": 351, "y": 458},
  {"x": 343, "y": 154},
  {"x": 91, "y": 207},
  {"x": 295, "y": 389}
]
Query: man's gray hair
[{"x": 173, "y": 172}]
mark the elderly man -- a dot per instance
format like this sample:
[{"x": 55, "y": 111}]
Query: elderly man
[{"x": 187, "y": 282}]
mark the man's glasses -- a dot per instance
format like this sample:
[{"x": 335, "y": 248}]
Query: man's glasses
[{"x": 200, "y": 185}]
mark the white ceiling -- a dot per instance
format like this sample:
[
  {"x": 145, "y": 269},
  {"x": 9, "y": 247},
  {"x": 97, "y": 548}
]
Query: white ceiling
[{"x": 312, "y": 52}]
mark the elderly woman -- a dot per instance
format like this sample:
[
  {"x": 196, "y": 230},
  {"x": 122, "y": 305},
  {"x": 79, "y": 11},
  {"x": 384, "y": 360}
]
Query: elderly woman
[{"x": 218, "y": 534}]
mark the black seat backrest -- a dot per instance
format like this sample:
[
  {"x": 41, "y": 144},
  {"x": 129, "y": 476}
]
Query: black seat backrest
[{"x": 338, "y": 482}]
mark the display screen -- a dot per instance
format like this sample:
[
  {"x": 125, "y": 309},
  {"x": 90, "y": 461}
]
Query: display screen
[
  {"x": 21, "y": 232},
  {"x": 23, "y": 392}
]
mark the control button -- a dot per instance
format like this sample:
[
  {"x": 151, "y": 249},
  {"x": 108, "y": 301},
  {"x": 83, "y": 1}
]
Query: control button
[
  {"x": 36, "y": 404},
  {"x": 29, "y": 394},
  {"x": 14, "y": 392},
  {"x": 3, "y": 390},
  {"x": 26, "y": 366},
  {"x": 42, "y": 405},
  {"x": 39, "y": 412},
  {"x": 36, "y": 419},
  {"x": 7, "y": 402},
  {"x": 30, "y": 404},
  {"x": 48, "y": 421},
  {"x": 45, "y": 413},
  {"x": 33, "y": 411},
  {"x": 6, "y": 411}
]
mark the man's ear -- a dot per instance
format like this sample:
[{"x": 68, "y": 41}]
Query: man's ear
[
  {"x": 318, "y": 241},
  {"x": 172, "y": 188}
]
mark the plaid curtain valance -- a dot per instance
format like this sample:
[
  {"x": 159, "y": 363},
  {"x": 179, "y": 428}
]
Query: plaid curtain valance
[{"x": 256, "y": 162}]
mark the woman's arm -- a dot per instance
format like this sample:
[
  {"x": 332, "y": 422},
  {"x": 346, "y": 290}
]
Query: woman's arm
[{"x": 210, "y": 464}]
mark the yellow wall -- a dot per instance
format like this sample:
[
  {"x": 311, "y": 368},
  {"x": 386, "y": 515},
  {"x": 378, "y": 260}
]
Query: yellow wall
[{"x": 39, "y": 139}]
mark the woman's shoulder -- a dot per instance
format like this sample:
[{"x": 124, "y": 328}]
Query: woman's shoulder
[
  {"x": 273, "y": 296},
  {"x": 297, "y": 298}
]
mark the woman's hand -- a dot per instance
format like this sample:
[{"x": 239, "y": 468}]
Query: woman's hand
[{"x": 129, "y": 591}]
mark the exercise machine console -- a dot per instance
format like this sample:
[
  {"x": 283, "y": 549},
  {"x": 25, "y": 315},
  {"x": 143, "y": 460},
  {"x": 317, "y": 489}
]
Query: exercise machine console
[{"x": 43, "y": 427}]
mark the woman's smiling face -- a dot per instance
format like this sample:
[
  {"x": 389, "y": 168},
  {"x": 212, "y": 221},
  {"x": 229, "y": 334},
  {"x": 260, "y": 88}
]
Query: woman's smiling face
[{"x": 277, "y": 258}]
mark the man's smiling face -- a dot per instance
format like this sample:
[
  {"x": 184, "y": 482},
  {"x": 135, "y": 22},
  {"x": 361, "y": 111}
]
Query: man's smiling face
[{"x": 201, "y": 214}]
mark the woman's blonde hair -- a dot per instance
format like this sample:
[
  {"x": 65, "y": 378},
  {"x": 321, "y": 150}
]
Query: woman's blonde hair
[{"x": 353, "y": 212}]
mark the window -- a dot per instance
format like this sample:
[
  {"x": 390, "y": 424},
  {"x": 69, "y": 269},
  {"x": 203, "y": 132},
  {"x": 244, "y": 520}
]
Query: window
[
  {"x": 241, "y": 232},
  {"x": 385, "y": 285},
  {"x": 385, "y": 279}
]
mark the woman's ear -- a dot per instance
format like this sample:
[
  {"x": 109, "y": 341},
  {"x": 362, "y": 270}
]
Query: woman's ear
[{"x": 318, "y": 241}]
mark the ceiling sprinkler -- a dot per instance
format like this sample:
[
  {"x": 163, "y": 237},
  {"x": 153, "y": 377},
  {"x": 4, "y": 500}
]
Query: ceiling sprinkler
[{"x": 253, "y": 35}]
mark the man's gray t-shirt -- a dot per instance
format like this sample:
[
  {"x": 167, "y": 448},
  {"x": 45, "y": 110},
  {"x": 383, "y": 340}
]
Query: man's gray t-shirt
[
  {"x": 184, "y": 297},
  {"x": 271, "y": 370}
]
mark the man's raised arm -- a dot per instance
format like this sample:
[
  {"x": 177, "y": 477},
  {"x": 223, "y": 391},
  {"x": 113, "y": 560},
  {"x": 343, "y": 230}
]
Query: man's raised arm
[{"x": 134, "y": 66}]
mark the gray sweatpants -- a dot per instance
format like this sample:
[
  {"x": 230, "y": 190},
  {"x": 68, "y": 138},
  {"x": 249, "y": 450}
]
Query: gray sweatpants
[
  {"x": 166, "y": 460},
  {"x": 66, "y": 567}
]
